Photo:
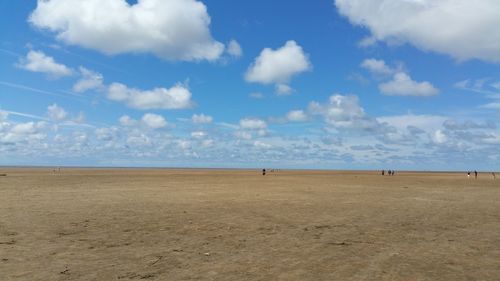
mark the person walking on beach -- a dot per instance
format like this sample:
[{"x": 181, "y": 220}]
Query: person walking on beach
[
  {"x": 475, "y": 174},
  {"x": 263, "y": 172},
  {"x": 468, "y": 174},
  {"x": 383, "y": 172},
  {"x": 493, "y": 174}
]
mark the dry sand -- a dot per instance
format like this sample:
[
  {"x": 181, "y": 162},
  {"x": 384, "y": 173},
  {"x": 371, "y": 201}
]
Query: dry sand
[{"x": 238, "y": 225}]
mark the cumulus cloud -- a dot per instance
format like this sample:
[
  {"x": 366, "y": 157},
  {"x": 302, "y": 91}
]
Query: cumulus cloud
[
  {"x": 467, "y": 125},
  {"x": 56, "y": 112},
  {"x": 24, "y": 128},
  {"x": 253, "y": 124},
  {"x": 23, "y": 132},
  {"x": 106, "y": 134},
  {"x": 261, "y": 145},
  {"x": 243, "y": 135},
  {"x": 463, "y": 29},
  {"x": 201, "y": 119},
  {"x": 344, "y": 111},
  {"x": 278, "y": 66},
  {"x": 126, "y": 120},
  {"x": 415, "y": 122},
  {"x": 377, "y": 67},
  {"x": 296, "y": 116},
  {"x": 177, "y": 97},
  {"x": 37, "y": 61},
  {"x": 154, "y": 121},
  {"x": 234, "y": 49},
  {"x": 283, "y": 89},
  {"x": 148, "y": 120},
  {"x": 89, "y": 80},
  {"x": 198, "y": 134},
  {"x": 403, "y": 85},
  {"x": 439, "y": 137},
  {"x": 170, "y": 29}
]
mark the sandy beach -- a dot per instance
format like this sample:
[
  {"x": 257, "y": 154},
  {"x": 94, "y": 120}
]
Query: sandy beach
[{"x": 154, "y": 224}]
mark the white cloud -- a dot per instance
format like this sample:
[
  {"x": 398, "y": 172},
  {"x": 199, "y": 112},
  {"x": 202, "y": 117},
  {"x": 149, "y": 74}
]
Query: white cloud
[
  {"x": 201, "y": 119},
  {"x": 125, "y": 120},
  {"x": 492, "y": 105},
  {"x": 177, "y": 97},
  {"x": 105, "y": 134},
  {"x": 90, "y": 80},
  {"x": 154, "y": 121},
  {"x": 278, "y": 66},
  {"x": 56, "y": 112},
  {"x": 37, "y": 61},
  {"x": 170, "y": 29},
  {"x": 428, "y": 123},
  {"x": 296, "y": 116},
  {"x": 24, "y": 128},
  {"x": 234, "y": 49},
  {"x": 283, "y": 89},
  {"x": 439, "y": 137},
  {"x": 463, "y": 29},
  {"x": 22, "y": 133},
  {"x": 344, "y": 112},
  {"x": 243, "y": 135},
  {"x": 262, "y": 145},
  {"x": 253, "y": 124},
  {"x": 367, "y": 41},
  {"x": 467, "y": 125},
  {"x": 377, "y": 66},
  {"x": 198, "y": 134},
  {"x": 403, "y": 85}
]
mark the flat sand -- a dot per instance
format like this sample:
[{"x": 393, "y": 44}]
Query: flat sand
[{"x": 133, "y": 224}]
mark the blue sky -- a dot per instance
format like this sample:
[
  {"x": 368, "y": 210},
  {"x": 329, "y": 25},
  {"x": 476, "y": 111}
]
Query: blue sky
[{"x": 183, "y": 83}]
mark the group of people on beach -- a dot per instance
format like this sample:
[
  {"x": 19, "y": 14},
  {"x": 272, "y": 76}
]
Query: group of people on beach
[
  {"x": 389, "y": 172},
  {"x": 476, "y": 173}
]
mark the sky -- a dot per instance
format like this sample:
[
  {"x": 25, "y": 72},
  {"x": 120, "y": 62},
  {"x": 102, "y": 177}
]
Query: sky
[{"x": 365, "y": 84}]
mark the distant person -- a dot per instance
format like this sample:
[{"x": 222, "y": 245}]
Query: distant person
[
  {"x": 475, "y": 174},
  {"x": 393, "y": 172},
  {"x": 468, "y": 174},
  {"x": 263, "y": 172},
  {"x": 383, "y": 172},
  {"x": 493, "y": 174}
]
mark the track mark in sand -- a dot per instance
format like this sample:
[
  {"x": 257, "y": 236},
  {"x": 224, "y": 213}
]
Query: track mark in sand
[
  {"x": 351, "y": 242},
  {"x": 159, "y": 258},
  {"x": 11, "y": 242},
  {"x": 339, "y": 243},
  {"x": 327, "y": 226},
  {"x": 132, "y": 275},
  {"x": 65, "y": 272}
]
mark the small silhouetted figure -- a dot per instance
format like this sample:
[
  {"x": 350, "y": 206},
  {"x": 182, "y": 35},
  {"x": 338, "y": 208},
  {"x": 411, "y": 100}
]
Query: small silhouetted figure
[
  {"x": 475, "y": 174},
  {"x": 383, "y": 172},
  {"x": 468, "y": 174},
  {"x": 393, "y": 172},
  {"x": 263, "y": 172},
  {"x": 493, "y": 174}
]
